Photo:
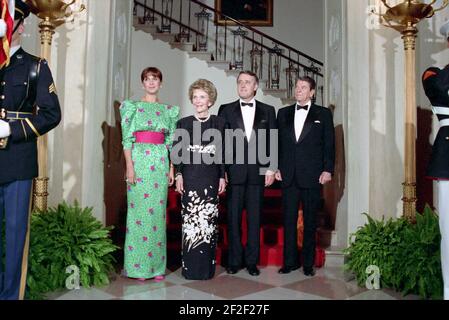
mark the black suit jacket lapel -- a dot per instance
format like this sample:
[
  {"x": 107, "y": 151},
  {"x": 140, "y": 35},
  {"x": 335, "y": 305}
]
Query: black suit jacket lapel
[
  {"x": 311, "y": 117},
  {"x": 238, "y": 115},
  {"x": 290, "y": 120},
  {"x": 257, "y": 117}
]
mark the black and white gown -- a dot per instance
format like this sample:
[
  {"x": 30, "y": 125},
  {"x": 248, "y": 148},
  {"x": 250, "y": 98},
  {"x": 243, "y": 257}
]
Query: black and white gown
[{"x": 200, "y": 198}]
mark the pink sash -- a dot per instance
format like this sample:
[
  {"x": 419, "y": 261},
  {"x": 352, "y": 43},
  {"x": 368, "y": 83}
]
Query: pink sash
[{"x": 149, "y": 137}]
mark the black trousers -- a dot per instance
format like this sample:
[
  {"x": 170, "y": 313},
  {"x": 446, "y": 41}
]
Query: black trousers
[
  {"x": 249, "y": 197},
  {"x": 292, "y": 196}
]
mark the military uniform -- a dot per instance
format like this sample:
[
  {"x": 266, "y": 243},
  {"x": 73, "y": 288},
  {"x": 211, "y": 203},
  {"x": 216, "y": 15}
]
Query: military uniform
[
  {"x": 29, "y": 103},
  {"x": 436, "y": 86}
]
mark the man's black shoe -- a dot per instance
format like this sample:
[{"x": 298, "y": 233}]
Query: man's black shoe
[
  {"x": 232, "y": 270},
  {"x": 308, "y": 271},
  {"x": 252, "y": 270},
  {"x": 285, "y": 269}
]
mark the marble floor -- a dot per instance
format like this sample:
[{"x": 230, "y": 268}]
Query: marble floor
[{"x": 328, "y": 284}]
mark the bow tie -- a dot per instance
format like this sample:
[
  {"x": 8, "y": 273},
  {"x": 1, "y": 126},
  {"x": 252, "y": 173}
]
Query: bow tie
[
  {"x": 298, "y": 107},
  {"x": 247, "y": 104}
]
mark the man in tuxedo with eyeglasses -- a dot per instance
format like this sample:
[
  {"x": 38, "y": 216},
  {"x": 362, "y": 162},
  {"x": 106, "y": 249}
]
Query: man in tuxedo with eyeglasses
[
  {"x": 306, "y": 162},
  {"x": 250, "y": 122}
]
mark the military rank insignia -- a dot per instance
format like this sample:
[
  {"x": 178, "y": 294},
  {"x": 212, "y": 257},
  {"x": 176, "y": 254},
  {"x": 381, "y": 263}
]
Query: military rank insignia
[{"x": 52, "y": 88}]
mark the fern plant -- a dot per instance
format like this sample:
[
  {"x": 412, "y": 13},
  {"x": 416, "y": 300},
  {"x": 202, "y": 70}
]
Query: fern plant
[
  {"x": 375, "y": 244},
  {"x": 67, "y": 236},
  {"x": 407, "y": 254},
  {"x": 418, "y": 257}
]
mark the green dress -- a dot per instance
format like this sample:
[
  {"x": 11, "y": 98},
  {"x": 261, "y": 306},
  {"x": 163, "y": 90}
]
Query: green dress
[{"x": 145, "y": 245}]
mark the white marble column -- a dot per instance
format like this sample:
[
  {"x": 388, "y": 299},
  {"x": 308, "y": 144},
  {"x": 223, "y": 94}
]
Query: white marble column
[{"x": 370, "y": 64}]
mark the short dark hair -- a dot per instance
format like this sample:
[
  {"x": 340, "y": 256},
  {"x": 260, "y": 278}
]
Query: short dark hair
[
  {"x": 309, "y": 80},
  {"x": 250, "y": 73},
  {"x": 153, "y": 71}
]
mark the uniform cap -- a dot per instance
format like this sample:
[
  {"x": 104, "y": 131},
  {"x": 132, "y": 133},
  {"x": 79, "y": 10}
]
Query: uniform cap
[{"x": 21, "y": 11}]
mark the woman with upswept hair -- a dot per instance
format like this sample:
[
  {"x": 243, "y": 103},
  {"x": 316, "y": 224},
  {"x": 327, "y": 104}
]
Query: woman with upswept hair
[{"x": 200, "y": 182}]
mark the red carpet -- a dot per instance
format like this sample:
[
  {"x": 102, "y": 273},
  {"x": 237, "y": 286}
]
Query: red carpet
[{"x": 271, "y": 233}]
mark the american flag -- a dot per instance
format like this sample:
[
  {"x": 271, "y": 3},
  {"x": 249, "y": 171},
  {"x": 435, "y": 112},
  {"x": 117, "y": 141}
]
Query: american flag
[{"x": 6, "y": 28}]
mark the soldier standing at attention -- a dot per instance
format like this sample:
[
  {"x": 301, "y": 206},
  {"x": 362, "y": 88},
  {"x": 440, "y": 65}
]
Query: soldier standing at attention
[
  {"x": 29, "y": 108},
  {"x": 436, "y": 86}
]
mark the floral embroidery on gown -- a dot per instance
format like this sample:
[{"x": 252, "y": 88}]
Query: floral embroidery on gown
[
  {"x": 200, "y": 200},
  {"x": 145, "y": 244}
]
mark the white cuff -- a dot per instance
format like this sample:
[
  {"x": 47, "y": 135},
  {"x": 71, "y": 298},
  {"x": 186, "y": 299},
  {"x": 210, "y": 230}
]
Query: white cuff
[{"x": 5, "y": 129}]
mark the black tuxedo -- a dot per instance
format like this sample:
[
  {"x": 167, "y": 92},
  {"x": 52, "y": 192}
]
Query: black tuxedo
[
  {"x": 246, "y": 181},
  {"x": 301, "y": 163}
]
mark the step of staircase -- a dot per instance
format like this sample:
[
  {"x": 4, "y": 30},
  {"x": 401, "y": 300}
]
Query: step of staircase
[
  {"x": 145, "y": 27},
  {"x": 234, "y": 73},
  {"x": 223, "y": 65},
  {"x": 334, "y": 257},
  {"x": 186, "y": 46},
  {"x": 138, "y": 20},
  {"x": 201, "y": 55},
  {"x": 166, "y": 37}
]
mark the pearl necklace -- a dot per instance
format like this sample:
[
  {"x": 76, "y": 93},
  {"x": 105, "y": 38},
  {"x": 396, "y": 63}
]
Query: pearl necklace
[{"x": 204, "y": 120}]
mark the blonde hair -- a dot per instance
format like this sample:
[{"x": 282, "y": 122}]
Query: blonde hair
[{"x": 206, "y": 86}]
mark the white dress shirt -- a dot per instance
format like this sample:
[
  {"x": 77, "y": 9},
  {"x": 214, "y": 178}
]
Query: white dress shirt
[
  {"x": 300, "y": 118},
  {"x": 13, "y": 50},
  {"x": 248, "y": 113}
]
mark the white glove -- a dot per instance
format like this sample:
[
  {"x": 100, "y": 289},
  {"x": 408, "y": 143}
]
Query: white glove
[
  {"x": 2, "y": 28},
  {"x": 5, "y": 129}
]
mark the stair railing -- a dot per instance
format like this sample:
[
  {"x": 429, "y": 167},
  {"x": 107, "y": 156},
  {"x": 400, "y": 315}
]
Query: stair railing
[{"x": 274, "y": 62}]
